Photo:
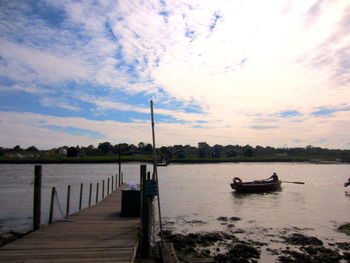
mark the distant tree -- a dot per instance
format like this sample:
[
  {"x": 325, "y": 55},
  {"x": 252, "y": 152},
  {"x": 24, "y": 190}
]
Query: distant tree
[
  {"x": 17, "y": 148},
  {"x": 132, "y": 149},
  {"x": 232, "y": 153},
  {"x": 91, "y": 150},
  {"x": 216, "y": 152},
  {"x": 72, "y": 152},
  {"x": 202, "y": 154},
  {"x": 32, "y": 149},
  {"x": 2, "y": 151},
  {"x": 105, "y": 147},
  {"x": 164, "y": 149},
  {"x": 148, "y": 149},
  {"x": 141, "y": 145},
  {"x": 248, "y": 151},
  {"x": 203, "y": 149}
]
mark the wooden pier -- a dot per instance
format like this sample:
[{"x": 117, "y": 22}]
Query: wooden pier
[{"x": 95, "y": 234}]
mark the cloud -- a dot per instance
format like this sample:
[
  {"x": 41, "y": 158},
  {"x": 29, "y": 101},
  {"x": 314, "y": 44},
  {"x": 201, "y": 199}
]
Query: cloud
[
  {"x": 30, "y": 65},
  {"x": 254, "y": 72}
]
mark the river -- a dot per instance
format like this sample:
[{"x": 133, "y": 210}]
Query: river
[{"x": 194, "y": 196}]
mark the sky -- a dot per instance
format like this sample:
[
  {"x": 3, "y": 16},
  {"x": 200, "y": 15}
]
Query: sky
[{"x": 269, "y": 73}]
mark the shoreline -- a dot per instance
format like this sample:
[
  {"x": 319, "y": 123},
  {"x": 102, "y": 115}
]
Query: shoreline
[
  {"x": 84, "y": 160},
  {"x": 237, "y": 245}
]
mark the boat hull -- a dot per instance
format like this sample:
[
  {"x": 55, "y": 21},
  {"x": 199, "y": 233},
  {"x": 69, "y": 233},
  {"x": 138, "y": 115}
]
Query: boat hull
[{"x": 256, "y": 187}]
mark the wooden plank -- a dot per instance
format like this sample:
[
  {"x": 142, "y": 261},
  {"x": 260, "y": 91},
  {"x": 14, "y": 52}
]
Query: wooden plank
[{"x": 95, "y": 234}]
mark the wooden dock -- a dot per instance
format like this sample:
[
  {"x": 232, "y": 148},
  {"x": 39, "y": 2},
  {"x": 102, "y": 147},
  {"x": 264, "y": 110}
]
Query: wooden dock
[{"x": 95, "y": 234}]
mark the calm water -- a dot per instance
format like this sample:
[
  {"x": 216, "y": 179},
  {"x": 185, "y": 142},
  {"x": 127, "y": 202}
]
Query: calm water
[
  {"x": 16, "y": 189},
  {"x": 194, "y": 196}
]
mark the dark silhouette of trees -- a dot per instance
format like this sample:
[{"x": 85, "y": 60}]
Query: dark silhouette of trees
[
  {"x": 105, "y": 147},
  {"x": 32, "y": 149},
  {"x": 17, "y": 149},
  {"x": 72, "y": 152},
  {"x": 248, "y": 151},
  {"x": 203, "y": 150}
]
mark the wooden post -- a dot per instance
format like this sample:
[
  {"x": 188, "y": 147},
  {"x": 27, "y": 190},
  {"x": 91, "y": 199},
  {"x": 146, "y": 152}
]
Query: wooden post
[
  {"x": 68, "y": 200},
  {"x": 37, "y": 197},
  {"x": 112, "y": 185},
  {"x": 144, "y": 215},
  {"x": 116, "y": 181},
  {"x": 120, "y": 164},
  {"x": 52, "y": 204},
  {"x": 96, "y": 193},
  {"x": 107, "y": 186},
  {"x": 90, "y": 193},
  {"x": 148, "y": 175},
  {"x": 103, "y": 189},
  {"x": 81, "y": 196},
  {"x": 122, "y": 181}
]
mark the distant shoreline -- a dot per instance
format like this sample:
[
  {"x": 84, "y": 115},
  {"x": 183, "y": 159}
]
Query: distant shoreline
[{"x": 147, "y": 159}]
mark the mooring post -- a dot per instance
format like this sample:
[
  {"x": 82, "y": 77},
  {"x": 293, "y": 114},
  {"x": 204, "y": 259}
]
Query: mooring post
[
  {"x": 81, "y": 196},
  {"x": 96, "y": 193},
  {"x": 37, "y": 197},
  {"x": 53, "y": 191},
  {"x": 122, "y": 178},
  {"x": 68, "y": 200},
  {"x": 90, "y": 192},
  {"x": 107, "y": 186},
  {"x": 103, "y": 189},
  {"x": 112, "y": 185},
  {"x": 120, "y": 165},
  {"x": 116, "y": 181},
  {"x": 144, "y": 214}
]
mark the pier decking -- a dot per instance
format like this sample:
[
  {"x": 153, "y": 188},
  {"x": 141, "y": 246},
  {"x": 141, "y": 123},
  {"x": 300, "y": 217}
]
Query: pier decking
[{"x": 95, "y": 234}]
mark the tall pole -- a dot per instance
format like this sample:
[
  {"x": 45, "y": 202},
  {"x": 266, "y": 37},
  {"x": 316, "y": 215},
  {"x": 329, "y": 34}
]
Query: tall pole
[
  {"x": 154, "y": 146},
  {"x": 37, "y": 197},
  {"x": 155, "y": 177}
]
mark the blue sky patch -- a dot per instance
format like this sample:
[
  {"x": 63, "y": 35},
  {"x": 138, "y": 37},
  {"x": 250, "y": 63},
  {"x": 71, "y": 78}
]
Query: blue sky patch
[
  {"x": 76, "y": 131},
  {"x": 215, "y": 20},
  {"x": 327, "y": 111},
  {"x": 262, "y": 127},
  {"x": 287, "y": 114}
]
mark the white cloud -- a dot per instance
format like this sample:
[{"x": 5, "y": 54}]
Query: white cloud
[
  {"x": 261, "y": 58},
  {"x": 32, "y": 65}
]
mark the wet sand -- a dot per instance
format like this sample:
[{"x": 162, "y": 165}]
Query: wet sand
[{"x": 257, "y": 245}]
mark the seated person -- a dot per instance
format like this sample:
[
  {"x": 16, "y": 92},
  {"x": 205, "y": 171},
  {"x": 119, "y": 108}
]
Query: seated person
[
  {"x": 273, "y": 177},
  {"x": 347, "y": 183}
]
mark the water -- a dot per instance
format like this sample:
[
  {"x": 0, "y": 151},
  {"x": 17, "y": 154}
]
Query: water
[
  {"x": 16, "y": 190},
  {"x": 194, "y": 196}
]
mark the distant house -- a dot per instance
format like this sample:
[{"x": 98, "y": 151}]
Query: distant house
[
  {"x": 62, "y": 151},
  {"x": 182, "y": 154}
]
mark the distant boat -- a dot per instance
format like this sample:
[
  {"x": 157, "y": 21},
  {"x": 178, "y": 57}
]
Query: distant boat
[{"x": 255, "y": 186}]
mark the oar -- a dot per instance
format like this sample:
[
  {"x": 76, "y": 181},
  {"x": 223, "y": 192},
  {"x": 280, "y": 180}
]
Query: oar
[{"x": 293, "y": 182}]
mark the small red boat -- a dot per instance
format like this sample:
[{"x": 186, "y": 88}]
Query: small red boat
[{"x": 255, "y": 186}]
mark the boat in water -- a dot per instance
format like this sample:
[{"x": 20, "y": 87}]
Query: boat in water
[{"x": 255, "y": 186}]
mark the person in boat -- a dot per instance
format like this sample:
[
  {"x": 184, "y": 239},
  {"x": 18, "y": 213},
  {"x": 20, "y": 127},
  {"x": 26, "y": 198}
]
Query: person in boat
[
  {"x": 273, "y": 177},
  {"x": 347, "y": 183}
]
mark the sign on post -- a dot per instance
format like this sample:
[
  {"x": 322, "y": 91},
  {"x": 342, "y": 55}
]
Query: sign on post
[{"x": 151, "y": 187}]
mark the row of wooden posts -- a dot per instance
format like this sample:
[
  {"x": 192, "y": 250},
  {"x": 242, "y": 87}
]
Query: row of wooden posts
[{"x": 111, "y": 185}]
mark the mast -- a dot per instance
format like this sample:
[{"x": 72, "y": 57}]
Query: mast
[{"x": 155, "y": 175}]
